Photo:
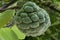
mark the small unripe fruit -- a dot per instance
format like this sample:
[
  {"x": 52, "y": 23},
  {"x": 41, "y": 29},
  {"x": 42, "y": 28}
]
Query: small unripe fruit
[{"x": 34, "y": 20}]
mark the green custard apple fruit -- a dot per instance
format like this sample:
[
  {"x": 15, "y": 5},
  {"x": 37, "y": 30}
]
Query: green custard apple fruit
[{"x": 32, "y": 20}]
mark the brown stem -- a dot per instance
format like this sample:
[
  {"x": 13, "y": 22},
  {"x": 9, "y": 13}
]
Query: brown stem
[{"x": 7, "y": 5}]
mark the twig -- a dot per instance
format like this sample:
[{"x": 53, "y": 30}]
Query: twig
[
  {"x": 15, "y": 7},
  {"x": 7, "y": 5}
]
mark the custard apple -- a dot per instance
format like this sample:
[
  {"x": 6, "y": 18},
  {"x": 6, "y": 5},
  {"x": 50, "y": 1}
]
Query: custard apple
[{"x": 32, "y": 20}]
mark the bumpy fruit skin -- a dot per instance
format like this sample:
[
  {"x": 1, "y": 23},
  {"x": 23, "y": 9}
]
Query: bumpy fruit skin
[{"x": 32, "y": 20}]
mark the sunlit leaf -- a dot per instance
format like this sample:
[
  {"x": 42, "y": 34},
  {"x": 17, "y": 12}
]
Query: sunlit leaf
[
  {"x": 5, "y": 17},
  {"x": 18, "y": 32},
  {"x": 7, "y": 34}
]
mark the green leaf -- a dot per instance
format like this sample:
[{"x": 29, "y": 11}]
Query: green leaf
[
  {"x": 7, "y": 34},
  {"x": 18, "y": 32},
  {"x": 1, "y": 38},
  {"x": 5, "y": 17}
]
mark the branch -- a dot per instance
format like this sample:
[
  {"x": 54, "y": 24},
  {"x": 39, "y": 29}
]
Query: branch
[
  {"x": 15, "y": 7},
  {"x": 7, "y": 5}
]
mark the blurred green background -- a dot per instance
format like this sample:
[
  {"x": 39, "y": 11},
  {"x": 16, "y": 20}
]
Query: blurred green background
[{"x": 13, "y": 33}]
